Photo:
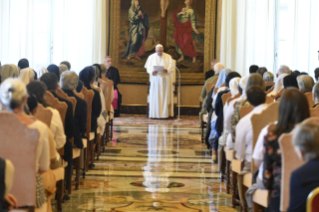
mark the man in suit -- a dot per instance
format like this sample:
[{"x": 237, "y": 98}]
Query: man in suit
[
  {"x": 211, "y": 72},
  {"x": 51, "y": 81},
  {"x": 306, "y": 178}
]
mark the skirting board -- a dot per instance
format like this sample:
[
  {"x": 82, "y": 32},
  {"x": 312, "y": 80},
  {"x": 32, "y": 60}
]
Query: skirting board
[{"x": 143, "y": 109}]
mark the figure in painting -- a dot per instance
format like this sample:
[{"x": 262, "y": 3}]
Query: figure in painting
[
  {"x": 139, "y": 27},
  {"x": 164, "y": 6},
  {"x": 185, "y": 23}
]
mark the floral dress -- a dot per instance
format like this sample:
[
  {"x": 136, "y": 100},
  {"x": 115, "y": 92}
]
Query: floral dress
[{"x": 272, "y": 170}]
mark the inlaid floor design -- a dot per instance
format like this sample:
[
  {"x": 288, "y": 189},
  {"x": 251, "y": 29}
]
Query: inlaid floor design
[{"x": 152, "y": 168}]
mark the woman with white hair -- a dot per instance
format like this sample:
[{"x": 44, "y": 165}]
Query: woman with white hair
[
  {"x": 42, "y": 71},
  {"x": 13, "y": 96},
  {"x": 26, "y": 75}
]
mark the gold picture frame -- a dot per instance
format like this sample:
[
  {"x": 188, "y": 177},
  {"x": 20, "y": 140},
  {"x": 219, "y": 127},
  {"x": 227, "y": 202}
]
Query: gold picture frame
[{"x": 143, "y": 77}]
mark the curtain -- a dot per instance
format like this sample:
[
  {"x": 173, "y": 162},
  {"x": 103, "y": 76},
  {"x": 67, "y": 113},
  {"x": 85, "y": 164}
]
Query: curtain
[
  {"x": 51, "y": 31},
  {"x": 79, "y": 34},
  {"x": 17, "y": 31}
]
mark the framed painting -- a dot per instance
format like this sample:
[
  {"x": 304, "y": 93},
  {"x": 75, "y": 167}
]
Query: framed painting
[{"x": 186, "y": 29}]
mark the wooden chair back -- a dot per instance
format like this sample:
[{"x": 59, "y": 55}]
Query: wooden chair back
[
  {"x": 225, "y": 97},
  {"x": 270, "y": 83},
  {"x": 314, "y": 112},
  {"x": 259, "y": 121},
  {"x": 313, "y": 200},
  {"x": 88, "y": 97},
  {"x": 232, "y": 98},
  {"x": 62, "y": 107},
  {"x": 211, "y": 84},
  {"x": 269, "y": 100},
  {"x": 20, "y": 148},
  {"x": 309, "y": 97},
  {"x": 80, "y": 95},
  {"x": 63, "y": 95},
  {"x": 244, "y": 110},
  {"x": 290, "y": 162},
  {"x": 108, "y": 93},
  {"x": 43, "y": 114}
]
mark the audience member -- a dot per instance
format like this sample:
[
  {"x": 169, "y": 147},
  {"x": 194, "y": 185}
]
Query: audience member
[
  {"x": 211, "y": 72},
  {"x": 42, "y": 71},
  {"x": 39, "y": 89},
  {"x": 269, "y": 80},
  {"x": 305, "y": 83},
  {"x": 261, "y": 71},
  {"x": 23, "y": 64},
  {"x": 256, "y": 97},
  {"x": 290, "y": 81},
  {"x": 63, "y": 68},
  {"x": 13, "y": 96},
  {"x": 253, "y": 69},
  {"x": 315, "y": 94},
  {"x": 279, "y": 85},
  {"x": 8, "y": 71},
  {"x": 316, "y": 72},
  {"x": 68, "y": 64},
  {"x": 55, "y": 70},
  {"x": 306, "y": 178},
  {"x": 26, "y": 75},
  {"x": 293, "y": 109}
]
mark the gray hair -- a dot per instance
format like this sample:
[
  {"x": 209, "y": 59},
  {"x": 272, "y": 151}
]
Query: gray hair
[
  {"x": 305, "y": 83},
  {"x": 218, "y": 67},
  {"x": 315, "y": 91},
  {"x": 255, "y": 79},
  {"x": 159, "y": 46},
  {"x": 306, "y": 138},
  {"x": 268, "y": 77},
  {"x": 69, "y": 80},
  {"x": 214, "y": 61},
  {"x": 283, "y": 69}
]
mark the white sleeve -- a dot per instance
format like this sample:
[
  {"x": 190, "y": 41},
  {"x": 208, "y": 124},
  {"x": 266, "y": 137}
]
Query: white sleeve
[
  {"x": 228, "y": 115},
  {"x": 171, "y": 67},
  {"x": 148, "y": 65},
  {"x": 240, "y": 144},
  {"x": 44, "y": 159},
  {"x": 258, "y": 153},
  {"x": 57, "y": 124}
]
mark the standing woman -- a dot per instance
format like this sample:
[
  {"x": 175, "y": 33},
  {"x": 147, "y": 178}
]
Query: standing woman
[
  {"x": 185, "y": 22},
  {"x": 293, "y": 109},
  {"x": 138, "y": 29},
  {"x": 113, "y": 74}
]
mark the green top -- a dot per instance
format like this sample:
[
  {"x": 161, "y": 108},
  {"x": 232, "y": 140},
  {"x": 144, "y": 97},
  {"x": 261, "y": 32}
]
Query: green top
[{"x": 190, "y": 15}]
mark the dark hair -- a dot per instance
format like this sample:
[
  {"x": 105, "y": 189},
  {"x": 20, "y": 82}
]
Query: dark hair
[
  {"x": 293, "y": 109},
  {"x": 32, "y": 102},
  {"x": 253, "y": 69},
  {"x": 261, "y": 71},
  {"x": 303, "y": 73},
  {"x": 295, "y": 73},
  {"x": 290, "y": 81},
  {"x": 317, "y": 73},
  {"x": 256, "y": 95},
  {"x": 38, "y": 89},
  {"x": 87, "y": 76},
  {"x": 35, "y": 75},
  {"x": 67, "y": 64},
  {"x": 230, "y": 76},
  {"x": 50, "y": 80},
  {"x": 55, "y": 70},
  {"x": 79, "y": 87},
  {"x": 23, "y": 63}
]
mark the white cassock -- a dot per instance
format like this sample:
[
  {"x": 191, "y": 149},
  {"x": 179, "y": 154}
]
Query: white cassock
[{"x": 161, "y": 98}]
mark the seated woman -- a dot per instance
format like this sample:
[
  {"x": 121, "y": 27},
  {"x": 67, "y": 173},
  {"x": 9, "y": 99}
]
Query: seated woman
[
  {"x": 269, "y": 80},
  {"x": 69, "y": 82},
  {"x": 293, "y": 109},
  {"x": 38, "y": 89},
  {"x": 26, "y": 75},
  {"x": 13, "y": 96},
  {"x": 7, "y": 200},
  {"x": 87, "y": 76},
  {"x": 306, "y": 178}
]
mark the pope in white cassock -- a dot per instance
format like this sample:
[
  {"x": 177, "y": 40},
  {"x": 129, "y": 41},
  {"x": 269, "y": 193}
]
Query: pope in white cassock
[{"x": 161, "y": 98}]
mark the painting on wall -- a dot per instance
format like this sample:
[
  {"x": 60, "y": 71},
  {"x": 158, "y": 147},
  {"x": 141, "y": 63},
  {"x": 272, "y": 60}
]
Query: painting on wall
[{"x": 137, "y": 26}]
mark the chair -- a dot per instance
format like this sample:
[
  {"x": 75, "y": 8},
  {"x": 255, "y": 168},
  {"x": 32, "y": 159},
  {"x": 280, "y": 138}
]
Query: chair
[
  {"x": 313, "y": 200},
  {"x": 225, "y": 97},
  {"x": 216, "y": 89},
  {"x": 22, "y": 156},
  {"x": 269, "y": 100},
  {"x": 43, "y": 114},
  {"x": 59, "y": 106},
  {"x": 232, "y": 98},
  {"x": 63, "y": 95},
  {"x": 314, "y": 112},
  {"x": 310, "y": 99},
  {"x": 88, "y": 97},
  {"x": 244, "y": 110},
  {"x": 259, "y": 121}
]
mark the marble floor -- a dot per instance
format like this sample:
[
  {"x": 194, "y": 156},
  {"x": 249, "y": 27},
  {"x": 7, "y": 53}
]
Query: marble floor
[{"x": 152, "y": 168}]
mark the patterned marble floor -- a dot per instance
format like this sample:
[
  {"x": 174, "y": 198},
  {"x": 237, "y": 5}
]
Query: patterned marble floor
[{"x": 152, "y": 168}]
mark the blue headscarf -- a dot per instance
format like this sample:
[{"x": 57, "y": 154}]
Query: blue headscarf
[
  {"x": 86, "y": 76},
  {"x": 221, "y": 78},
  {"x": 55, "y": 70}
]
